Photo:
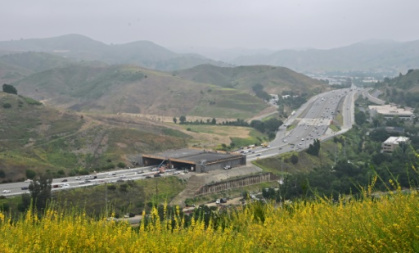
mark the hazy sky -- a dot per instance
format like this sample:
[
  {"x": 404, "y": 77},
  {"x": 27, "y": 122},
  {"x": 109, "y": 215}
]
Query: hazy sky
[{"x": 270, "y": 24}]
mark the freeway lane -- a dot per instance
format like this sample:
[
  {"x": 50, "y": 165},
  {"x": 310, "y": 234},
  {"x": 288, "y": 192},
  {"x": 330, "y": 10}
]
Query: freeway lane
[
  {"x": 311, "y": 122},
  {"x": 89, "y": 180}
]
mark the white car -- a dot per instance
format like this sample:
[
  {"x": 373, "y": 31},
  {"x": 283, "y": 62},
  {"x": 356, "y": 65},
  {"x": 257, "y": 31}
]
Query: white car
[{"x": 7, "y": 191}]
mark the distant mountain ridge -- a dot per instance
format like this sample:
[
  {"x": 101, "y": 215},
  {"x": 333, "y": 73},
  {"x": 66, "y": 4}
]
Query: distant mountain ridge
[
  {"x": 373, "y": 56},
  {"x": 143, "y": 53}
]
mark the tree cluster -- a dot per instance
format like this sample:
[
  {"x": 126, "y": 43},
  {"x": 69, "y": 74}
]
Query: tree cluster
[
  {"x": 314, "y": 149},
  {"x": 260, "y": 93},
  {"x": 9, "y": 89},
  {"x": 269, "y": 127}
]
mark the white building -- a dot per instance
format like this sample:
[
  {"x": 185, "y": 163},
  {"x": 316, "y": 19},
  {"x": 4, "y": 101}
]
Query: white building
[
  {"x": 393, "y": 142},
  {"x": 391, "y": 111}
]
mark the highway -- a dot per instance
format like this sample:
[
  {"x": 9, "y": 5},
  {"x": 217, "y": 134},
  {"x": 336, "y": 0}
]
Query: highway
[
  {"x": 12, "y": 189},
  {"x": 311, "y": 121},
  {"x": 373, "y": 98}
]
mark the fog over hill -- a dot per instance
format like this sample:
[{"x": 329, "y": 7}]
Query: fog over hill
[
  {"x": 374, "y": 56},
  {"x": 370, "y": 56},
  {"x": 143, "y": 53}
]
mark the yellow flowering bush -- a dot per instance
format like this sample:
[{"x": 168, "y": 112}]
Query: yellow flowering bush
[{"x": 386, "y": 224}]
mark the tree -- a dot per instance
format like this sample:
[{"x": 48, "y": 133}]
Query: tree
[
  {"x": 30, "y": 174},
  {"x": 213, "y": 121},
  {"x": 360, "y": 118},
  {"x": 294, "y": 159},
  {"x": 174, "y": 120},
  {"x": 9, "y": 89},
  {"x": 258, "y": 125},
  {"x": 314, "y": 148},
  {"x": 182, "y": 119},
  {"x": 40, "y": 191}
]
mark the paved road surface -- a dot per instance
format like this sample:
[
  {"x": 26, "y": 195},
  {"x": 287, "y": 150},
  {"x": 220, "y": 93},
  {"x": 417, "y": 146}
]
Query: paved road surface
[{"x": 312, "y": 122}]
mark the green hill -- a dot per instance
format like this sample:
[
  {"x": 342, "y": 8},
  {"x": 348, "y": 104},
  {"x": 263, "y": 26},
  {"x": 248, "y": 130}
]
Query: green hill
[
  {"x": 131, "y": 89},
  {"x": 14, "y": 67},
  {"x": 402, "y": 90},
  {"x": 273, "y": 79},
  {"x": 10, "y": 73},
  {"x": 35, "y": 61},
  {"x": 36, "y": 137}
]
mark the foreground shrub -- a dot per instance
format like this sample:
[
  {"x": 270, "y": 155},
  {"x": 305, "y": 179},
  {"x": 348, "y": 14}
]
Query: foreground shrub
[{"x": 386, "y": 224}]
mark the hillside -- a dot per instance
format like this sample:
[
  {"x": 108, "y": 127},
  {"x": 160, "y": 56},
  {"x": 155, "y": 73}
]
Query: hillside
[
  {"x": 143, "y": 53},
  {"x": 131, "y": 89},
  {"x": 387, "y": 57},
  {"x": 402, "y": 90},
  {"x": 39, "y": 138},
  {"x": 273, "y": 79},
  {"x": 16, "y": 66}
]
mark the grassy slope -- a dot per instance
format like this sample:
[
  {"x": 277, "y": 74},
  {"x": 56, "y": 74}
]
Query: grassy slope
[
  {"x": 125, "y": 197},
  {"x": 282, "y": 163},
  {"x": 274, "y": 79},
  {"x": 135, "y": 90},
  {"x": 36, "y": 137},
  {"x": 16, "y": 66},
  {"x": 213, "y": 136},
  {"x": 402, "y": 90}
]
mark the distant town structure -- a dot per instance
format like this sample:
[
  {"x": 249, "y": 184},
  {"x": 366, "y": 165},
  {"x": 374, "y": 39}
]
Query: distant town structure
[
  {"x": 390, "y": 111},
  {"x": 392, "y": 143},
  {"x": 194, "y": 160}
]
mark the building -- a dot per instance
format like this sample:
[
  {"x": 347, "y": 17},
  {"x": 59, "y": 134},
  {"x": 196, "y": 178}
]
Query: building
[
  {"x": 393, "y": 142},
  {"x": 391, "y": 111},
  {"x": 195, "y": 160}
]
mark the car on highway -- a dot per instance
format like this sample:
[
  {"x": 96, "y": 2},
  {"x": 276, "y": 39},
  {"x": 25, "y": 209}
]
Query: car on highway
[
  {"x": 64, "y": 180},
  {"x": 24, "y": 188},
  {"x": 7, "y": 191}
]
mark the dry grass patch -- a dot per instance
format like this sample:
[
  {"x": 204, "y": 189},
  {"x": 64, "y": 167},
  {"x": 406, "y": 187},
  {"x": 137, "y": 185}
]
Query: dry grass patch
[{"x": 207, "y": 136}]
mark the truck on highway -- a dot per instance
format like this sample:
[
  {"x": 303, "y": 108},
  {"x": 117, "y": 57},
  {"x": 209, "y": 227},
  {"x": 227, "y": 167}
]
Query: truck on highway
[{"x": 265, "y": 145}]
